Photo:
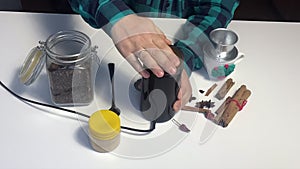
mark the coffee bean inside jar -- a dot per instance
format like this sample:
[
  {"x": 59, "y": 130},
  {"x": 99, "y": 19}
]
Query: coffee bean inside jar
[
  {"x": 69, "y": 68},
  {"x": 70, "y": 83}
]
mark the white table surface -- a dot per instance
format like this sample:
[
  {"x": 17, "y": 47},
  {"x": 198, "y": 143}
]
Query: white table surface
[{"x": 263, "y": 135}]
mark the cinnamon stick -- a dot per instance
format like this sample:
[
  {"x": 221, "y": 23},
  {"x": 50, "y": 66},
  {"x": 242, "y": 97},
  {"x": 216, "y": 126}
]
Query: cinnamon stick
[
  {"x": 207, "y": 113},
  {"x": 210, "y": 89},
  {"x": 195, "y": 109},
  {"x": 224, "y": 89},
  {"x": 237, "y": 102},
  {"x": 221, "y": 110}
]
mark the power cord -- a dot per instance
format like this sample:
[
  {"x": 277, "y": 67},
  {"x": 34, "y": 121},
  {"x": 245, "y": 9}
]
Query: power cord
[{"x": 151, "y": 128}]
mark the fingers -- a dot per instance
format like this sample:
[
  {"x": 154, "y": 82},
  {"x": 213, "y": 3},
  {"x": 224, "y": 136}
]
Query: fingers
[
  {"x": 161, "y": 60},
  {"x": 146, "y": 58},
  {"x": 178, "y": 103},
  {"x": 130, "y": 39},
  {"x": 170, "y": 57},
  {"x": 165, "y": 57},
  {"x": 134, "y": 62},
  {"x": 184, "y": 93},
  {"x": 152, "y": 51}
]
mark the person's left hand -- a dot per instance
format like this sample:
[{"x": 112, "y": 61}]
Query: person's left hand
[{"x": 185, "y": 92}]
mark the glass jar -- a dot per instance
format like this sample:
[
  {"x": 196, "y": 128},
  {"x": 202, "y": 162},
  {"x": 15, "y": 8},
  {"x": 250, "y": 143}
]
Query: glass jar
[{"x": 68, "y": 56}]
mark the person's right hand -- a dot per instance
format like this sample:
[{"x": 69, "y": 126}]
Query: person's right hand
[{"x": 138, "y": 38}]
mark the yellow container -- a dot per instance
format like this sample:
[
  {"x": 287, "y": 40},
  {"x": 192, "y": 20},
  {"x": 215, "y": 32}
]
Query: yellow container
[{"x": 104, "y": 129}]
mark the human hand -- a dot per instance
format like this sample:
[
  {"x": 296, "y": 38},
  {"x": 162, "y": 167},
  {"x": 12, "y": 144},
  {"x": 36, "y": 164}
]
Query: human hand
[
  {"x": 138, "y": 38},
  {"x": 185, "y": 92}
]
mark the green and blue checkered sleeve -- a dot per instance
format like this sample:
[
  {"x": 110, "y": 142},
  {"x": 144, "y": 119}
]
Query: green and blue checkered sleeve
[
  {"x": 206, "y": 16},
  {"x": 101, "y": 13}
]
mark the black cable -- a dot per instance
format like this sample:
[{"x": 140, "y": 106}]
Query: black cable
[
  {"x": 42, "y": 104},
  {"x": 152, "y": 124},
  {"x": 152, "y": 127}
]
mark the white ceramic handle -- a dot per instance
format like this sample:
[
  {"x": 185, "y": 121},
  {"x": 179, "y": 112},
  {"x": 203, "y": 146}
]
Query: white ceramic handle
[{"x": 239, "y": 58}]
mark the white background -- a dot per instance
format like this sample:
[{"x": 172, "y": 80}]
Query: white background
[{"x": 263, "y": 135}]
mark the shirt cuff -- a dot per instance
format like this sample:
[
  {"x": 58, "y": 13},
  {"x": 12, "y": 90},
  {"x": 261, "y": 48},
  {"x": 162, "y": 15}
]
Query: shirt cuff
[{"x": 191, "y": 60}]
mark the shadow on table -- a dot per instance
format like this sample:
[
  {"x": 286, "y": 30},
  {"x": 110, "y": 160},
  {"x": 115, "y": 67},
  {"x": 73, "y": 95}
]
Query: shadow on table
[
  {"x": 202, "y": 72},
  {"x": 38, "y": 90},
  {"x": 82, "y": 137}
]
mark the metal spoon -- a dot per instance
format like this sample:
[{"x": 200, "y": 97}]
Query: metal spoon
[{"x": 114, "y": 108}]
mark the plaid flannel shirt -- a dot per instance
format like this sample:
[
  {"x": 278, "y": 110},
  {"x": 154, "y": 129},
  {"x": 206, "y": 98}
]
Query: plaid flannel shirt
[{"x": 202, "y": 17}]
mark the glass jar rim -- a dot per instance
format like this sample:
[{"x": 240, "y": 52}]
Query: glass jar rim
[{"x": 68, "y": 35}]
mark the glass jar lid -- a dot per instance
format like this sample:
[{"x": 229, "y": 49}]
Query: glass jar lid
[{"x": 32, "y": 65}]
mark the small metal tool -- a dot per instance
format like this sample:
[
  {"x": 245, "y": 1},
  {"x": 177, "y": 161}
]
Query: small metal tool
[{"x": 181, "y": 127}]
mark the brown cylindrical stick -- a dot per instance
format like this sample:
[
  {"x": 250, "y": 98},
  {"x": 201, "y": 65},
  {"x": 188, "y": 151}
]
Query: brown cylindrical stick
[
  {"x": 224, "y": 89},
  {"x": 210, "y": 89},
  {"x": 195, "y": 109},
  {"x": 235, "y": 104},
  {"x": 221, "y": 110}
]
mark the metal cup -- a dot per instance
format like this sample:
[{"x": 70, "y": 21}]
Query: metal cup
[{"x": 223, "y": 39}]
